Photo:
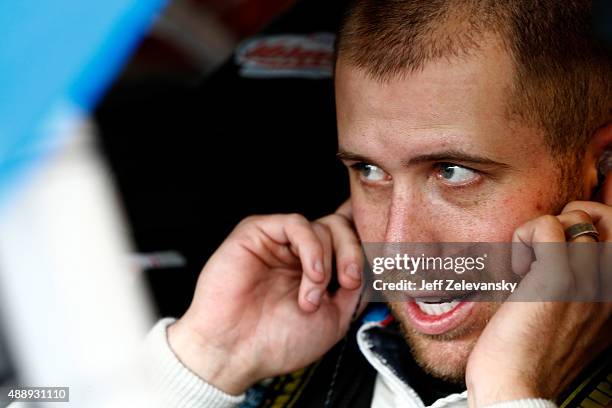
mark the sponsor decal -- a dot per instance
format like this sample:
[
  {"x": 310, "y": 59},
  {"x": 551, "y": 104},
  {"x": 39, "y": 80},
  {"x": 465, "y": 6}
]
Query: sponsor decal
[{"x": 287, "y": 56}]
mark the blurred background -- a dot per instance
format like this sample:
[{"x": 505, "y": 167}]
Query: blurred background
[
  {"x": 193, "y": 37},
  {"x": 196, "y": 144},
  {"x": 134, "y": 135}
]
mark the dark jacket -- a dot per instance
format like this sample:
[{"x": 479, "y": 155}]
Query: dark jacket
[{"x": 343, "y": 378}]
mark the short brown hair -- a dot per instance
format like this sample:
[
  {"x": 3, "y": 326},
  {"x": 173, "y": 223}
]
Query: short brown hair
[{"x": 563, "y": 75}]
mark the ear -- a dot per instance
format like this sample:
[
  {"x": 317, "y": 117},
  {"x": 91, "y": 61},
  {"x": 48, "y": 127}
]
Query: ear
[
  {"x": 605, "y": 192},
  {"x": 600, "y": 149}
]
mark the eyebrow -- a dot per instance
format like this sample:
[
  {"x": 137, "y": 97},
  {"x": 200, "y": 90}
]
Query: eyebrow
[{"x": 447, "y": 155}]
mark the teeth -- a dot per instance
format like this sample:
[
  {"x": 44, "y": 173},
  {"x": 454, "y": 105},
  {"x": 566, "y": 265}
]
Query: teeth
[{"x": 436, "y": 309}]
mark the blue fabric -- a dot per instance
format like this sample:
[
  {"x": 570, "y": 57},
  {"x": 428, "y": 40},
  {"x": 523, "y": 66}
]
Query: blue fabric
[
  {"x": 377, "y": 312},
  {"x": 57, "y": 57}
]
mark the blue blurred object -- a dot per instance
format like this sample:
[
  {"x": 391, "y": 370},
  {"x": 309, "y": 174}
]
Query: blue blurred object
[
  {"x": 376, "y": 312},
  {"x": 56, "y": 58}
]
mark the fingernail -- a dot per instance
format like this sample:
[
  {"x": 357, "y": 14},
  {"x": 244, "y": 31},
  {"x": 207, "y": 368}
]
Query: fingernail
[
  {"x": 318, "y": 268},
  {"x": 353, "y": 271},
  {"x": 314, "y": 296}
]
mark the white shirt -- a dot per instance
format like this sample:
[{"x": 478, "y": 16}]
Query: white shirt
[{"x": 181, "y": 388}]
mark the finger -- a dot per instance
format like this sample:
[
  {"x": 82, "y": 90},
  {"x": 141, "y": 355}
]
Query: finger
[
  {"x": 602, "y": 218},
  {"x": 325, "y": 237},
  {"x": 295, "y": 230},
  {"x": 573, "y": 217},
  {"x": 544, "y": 229},
  {"x": 346, "y": 210},
  {"x": 549, "y": 276},
  {"x": 349, "y": 258},
  {"x": 583, "y": 257},
  {"x": 312, "y": 292},
  {"x": 601, "y": 215}
]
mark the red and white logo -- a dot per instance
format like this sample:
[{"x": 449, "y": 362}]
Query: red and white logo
[{"x": 297, "y": 56}]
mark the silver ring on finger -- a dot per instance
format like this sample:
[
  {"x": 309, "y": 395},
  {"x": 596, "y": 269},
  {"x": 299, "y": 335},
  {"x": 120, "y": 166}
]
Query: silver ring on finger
[{"x": 581, "y": 229}]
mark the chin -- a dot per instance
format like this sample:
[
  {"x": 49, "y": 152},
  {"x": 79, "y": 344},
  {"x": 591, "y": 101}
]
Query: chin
[{"x": 445, "y": 355}]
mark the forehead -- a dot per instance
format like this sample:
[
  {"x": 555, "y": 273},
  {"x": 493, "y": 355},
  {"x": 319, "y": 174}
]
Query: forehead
[
  {"x": 445, "y": 90},
  {"x": 459, "y": 100}
]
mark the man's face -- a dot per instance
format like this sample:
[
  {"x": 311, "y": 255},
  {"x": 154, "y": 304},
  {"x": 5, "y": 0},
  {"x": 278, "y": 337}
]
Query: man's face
[{"x": 434, "y": 157}]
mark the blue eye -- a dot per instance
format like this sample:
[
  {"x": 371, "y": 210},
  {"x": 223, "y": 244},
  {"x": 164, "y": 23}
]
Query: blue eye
[
  {"x": 454, "y": 174},
  {"x": 370, "y": 173}
]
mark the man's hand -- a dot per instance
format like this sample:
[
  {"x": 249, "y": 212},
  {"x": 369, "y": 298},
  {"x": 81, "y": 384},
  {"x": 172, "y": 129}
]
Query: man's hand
[
  {"x": 261, "y": 307},
  {"x": 534, "y": 349}
]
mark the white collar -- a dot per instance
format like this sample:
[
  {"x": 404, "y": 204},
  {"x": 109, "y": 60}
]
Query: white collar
[{"x": 402, "y": 392}]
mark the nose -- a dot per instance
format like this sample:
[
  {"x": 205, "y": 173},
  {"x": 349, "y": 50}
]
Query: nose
[{"x": 408, "y": 217}]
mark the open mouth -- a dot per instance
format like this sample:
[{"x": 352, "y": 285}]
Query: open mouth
[
  {"x": 432, "y": 315},
  {"x": 436, "y": 308}
]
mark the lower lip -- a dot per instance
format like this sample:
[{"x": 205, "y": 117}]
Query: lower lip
[{"x": 428, "y": 324}]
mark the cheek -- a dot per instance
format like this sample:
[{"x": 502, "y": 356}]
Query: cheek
[
  {"x": 487, "y": 222},
  {"x": 492, "y": 220},
  {"x": 370, "y": 218},
  {"x": 497, "y": 221}
]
